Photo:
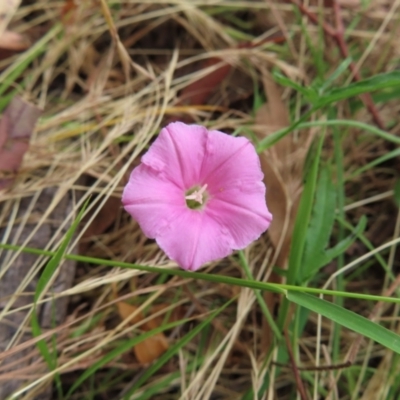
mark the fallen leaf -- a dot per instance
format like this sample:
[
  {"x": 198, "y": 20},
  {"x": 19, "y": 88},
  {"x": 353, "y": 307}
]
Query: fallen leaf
[
  {"x": 16, "y": 126},
  {"x": 151, "y": 348},
  {"x": 104, "y": 219},
  {"x": 282, "y": 166},
  {"x": 154, "y": 346},
  {"x": 199, "y": 91},
  {"x": 13, "y": 41}
]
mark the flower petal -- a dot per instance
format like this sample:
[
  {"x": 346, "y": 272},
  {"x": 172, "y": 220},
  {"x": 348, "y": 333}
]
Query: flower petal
[
  {"x": 152, "y": 200},
  {"x": 193, "y": 238},
  {"x": 242, "y": 211},
  {"x": 178, "y": 152},
  {"x": 229, "y": 160}
]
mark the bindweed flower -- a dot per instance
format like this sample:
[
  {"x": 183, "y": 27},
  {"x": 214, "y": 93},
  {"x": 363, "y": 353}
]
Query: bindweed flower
[{"x": 199, "y": 193}]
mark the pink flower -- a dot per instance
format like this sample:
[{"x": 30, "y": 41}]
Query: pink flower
[{"x": 199, "y": 193}]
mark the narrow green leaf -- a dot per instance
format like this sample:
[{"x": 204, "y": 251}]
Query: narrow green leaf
[
  {"x": 303, "y": 217},
  {"x": 387, "y": 156},
  {"x": 301, "y": 226},
  {"x": 348, "y": 319},
  {"x": 282, "y": 80},
  {"x": 8, "y": 77},
  {"x": 377, "y": 82},
  {"x": 343, "y": 66},
  {"x": 260, "y": 298},
  {"x": 326, "y": 256},
  {"x": 228, "y": 280},
  {"x": 320, "y": 226},
  {"x": 344, "y": 244},
  {"x": 54, "y": 262},
  {"x": 50, "y": 356},
  {"x": 300, "y": 124}
]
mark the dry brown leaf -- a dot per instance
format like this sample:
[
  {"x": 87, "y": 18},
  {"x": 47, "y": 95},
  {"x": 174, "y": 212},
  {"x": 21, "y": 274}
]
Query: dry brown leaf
[
  {"x": 154, "y": 346},
  {"x": 198, "y": 92},
  {"x": 16, "y": 126},
  {"x": 282, "y": 165},
  {"x": 125, "y": 310},
  {"x": 151, "y": 348},
  {"x": 13, "y": 41},
  {"x": 103, "y": 220}
]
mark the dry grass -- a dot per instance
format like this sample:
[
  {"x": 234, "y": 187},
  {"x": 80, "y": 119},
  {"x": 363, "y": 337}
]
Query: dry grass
[{"x": 108, "y": 77}]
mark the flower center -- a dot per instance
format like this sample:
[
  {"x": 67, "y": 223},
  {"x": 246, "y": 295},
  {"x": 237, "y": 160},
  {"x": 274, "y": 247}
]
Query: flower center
[{"x": 196, "y": 196}]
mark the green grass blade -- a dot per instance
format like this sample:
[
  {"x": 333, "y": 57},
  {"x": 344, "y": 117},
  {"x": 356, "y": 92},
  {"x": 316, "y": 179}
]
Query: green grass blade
[
  {"x": 260, "y": 299},
  {"x": 374, "y": 163},
  {"x": 377, "y": 82},
  {"x": 228, "y": 280},
  {"x": 348, "y": 319},
  {"x": 8, "y": 77},
  {"x": 123, "y": 348},
  {"x": 282, "y": 80},
  {"x": 303, "y": 217},
  {"x": 343, "y": 66},
  {"x": 51, "y": 356},
  {"x": 344, "y": 244},
  {"x": 174, "y": 349},
  {"x": 320, "y": 226},
  {"x": 300, "y": 124}
]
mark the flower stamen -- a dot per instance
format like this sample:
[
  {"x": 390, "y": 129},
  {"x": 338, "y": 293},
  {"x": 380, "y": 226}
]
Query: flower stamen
[{"x": 196, "y": 197}]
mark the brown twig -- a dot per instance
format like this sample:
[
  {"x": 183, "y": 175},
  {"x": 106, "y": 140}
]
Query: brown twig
[
  {"x": 339, "y": 37},
  {"x": 337, "y": 34},
  {"x": 297, "y": 377},
  {"x": 314, "y": 18}
]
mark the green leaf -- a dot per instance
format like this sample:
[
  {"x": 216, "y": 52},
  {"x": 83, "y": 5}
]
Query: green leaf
[
  {"x": 374, "y": 163},
  {"x": 282, "y": 80},
  {"x": 339, "y": 71},
  {"x": 348, "y": 319},
  {"x": 344, "y": 244},
  {"x": 320, "y": 226},
  {"x": 55, "y": 260},
  {"x": 301, "y": 225},
  {"x": 377, "y": 82},
  {"x": 9, "y": 76},
  {"x": 50, "y": 356},
  {"x": 303, "y": 217},
  {"x": 227, "y": 280}
]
